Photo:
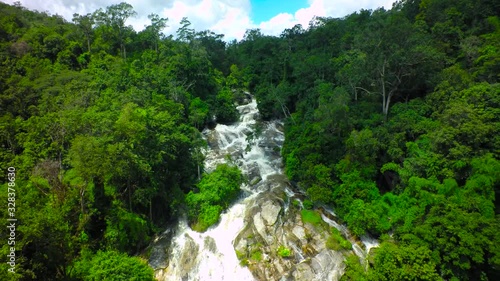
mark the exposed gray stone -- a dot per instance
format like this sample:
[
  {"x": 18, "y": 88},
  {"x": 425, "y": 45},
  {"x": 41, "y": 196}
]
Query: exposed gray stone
[
  {"x": 209, "y": 244},
  {"x": 212, "y": 139},
  {"x": 253, "y": 170},
  {"x": 255, "y": 181},
  {"x": 270, "y": 212},
  {"x": 311, "y": 260},
  {"x": 188, "y": 258},
  {"x": 303, "y": 272},
  {"x": 260, "y": 227}
]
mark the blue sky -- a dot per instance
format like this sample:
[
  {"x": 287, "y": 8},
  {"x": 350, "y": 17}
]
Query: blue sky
[
  {"x": 264, "y": 10},
  {"x": 229, "y": 17}
]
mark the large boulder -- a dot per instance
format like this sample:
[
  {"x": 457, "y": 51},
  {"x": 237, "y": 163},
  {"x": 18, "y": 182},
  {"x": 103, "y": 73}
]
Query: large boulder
[
  {"x": 188, "y": 257},
  {"x": 270, "y": 212}
]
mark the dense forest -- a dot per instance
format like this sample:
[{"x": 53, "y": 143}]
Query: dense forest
[{"x": 392, "y": 119}]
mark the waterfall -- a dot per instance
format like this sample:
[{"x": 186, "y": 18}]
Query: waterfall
[{"x": 211, "y": 255}]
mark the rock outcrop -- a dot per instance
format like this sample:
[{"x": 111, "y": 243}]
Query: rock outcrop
[{"x": 276, "y": 245}]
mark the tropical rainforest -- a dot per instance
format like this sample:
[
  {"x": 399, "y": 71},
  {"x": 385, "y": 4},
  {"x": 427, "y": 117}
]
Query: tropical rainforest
[{"x": 392, "y": 118}]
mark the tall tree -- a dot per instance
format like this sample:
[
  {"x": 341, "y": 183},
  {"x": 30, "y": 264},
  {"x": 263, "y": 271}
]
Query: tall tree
[
  {"x": 185, "y": 33},
  {"x": 157, "y": 25},
  {"x": 115, "y": 18},
  {"x": 393, "y": 60},
  {"x": 85, "y": 23}
]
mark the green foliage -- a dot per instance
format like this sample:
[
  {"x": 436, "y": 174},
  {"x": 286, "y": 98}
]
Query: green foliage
[
  {"x": 99, "y": 120},
  {"x": 284, "y": 252},
  {"x": 237, "y": 78},
  {"x": 208, "y": 216},
  {"x": 104, "y": 124},
  {"x": 199, "y": 111},
  {"x": 125, "y": 230},
  {"x": 337, "y": 242},
  {"x": 216, "y": 191},
  {"x": 256, "y": 256},
  {"x": 311, "y": 216},
  {"x": 224, "y": 109},
  {"x": 111, "y": 265},
  {"x": 308, "y": 204},
  {"x": 251, "y": 255},
  {"x": 394, "y": 262},
  {"x": 354, "y": 270}
]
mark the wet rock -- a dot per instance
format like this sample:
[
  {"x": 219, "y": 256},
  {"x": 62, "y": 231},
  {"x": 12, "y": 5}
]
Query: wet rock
[
  {"x": 159, "y": 250},
  {"x": 253, "y": 173},
  {"x": 271, "y": 138},
  {"x": 245, "y": 110},
  {"x": 260, "y": 227},
  {"x": 268, "y": 228},
  {"x": 255, "y": 181},
  {"x": 278, "y": 183},
  {"x": 212, "y": 138},
  {"x": 270, "y": 212},
  {"x": 188, "y": 257},
  {"x": 209, "y": 244},
  {"x": 280, "y": 127},
  {"x": 303, "y": 272},
  {"x": 235, "y": 154},
  {"x": 300, "y": 233}
]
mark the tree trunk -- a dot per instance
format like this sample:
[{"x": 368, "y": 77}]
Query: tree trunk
[
  {"x": 386, "y": 97},
  {"x": 150, "y": 209},
  {"x": 82, "y": 200},
  {"x": 384, "y": 100},
  {"x": 354, "y": 88},
  {"x": 386, "y": 106},
  {"x": 124, "y": 52}
]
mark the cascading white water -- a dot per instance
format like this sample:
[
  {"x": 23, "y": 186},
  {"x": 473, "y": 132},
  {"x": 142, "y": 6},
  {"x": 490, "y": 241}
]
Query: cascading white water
[
  {"x": 211, "y": 255},
  {"x": 369, "y": 242}
]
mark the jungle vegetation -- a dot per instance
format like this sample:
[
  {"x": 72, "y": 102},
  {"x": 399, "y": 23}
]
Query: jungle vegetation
[{"x": 392, "y": 119}]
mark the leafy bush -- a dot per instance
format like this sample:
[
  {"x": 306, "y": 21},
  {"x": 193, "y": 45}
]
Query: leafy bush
[
  {"x": 217, "y": 190},
  {"x": 308, "y": 204},
  {"x": 312, "y": 217},
  {"x": 125, "y": 230},
  {"x": 337, "y": 242},
  {"x": 284, "y": 252},
  {"x": 225, "y": 111},
  {"x": 112, "y": 266},
  {"x": 256, "y": 255},
  {"x": 354, "y": 270},
  {"x": 209, "y": 215}
]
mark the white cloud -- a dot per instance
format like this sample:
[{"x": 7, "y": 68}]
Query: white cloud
[
  {"x": 319, "y": 8},
  {"x": 228, "y": 17}
]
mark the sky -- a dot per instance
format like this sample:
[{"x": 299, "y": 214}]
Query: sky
[{"x": 229, "y": 17}]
